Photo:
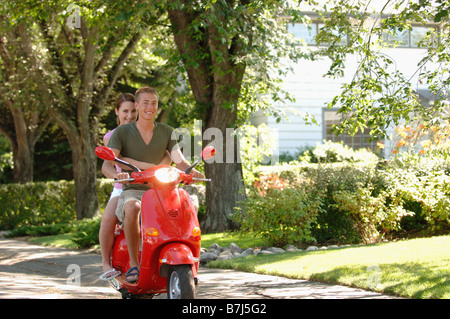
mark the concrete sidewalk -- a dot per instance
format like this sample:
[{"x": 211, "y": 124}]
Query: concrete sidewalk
[{"x": 38, "y": 272}]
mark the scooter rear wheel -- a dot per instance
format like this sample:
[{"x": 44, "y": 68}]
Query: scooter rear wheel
[{"x": 180, "y": 282}]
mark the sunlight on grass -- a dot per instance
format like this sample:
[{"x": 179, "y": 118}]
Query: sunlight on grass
[
  {"x": 417, "y": 268},
  {"x": 63, "y": 240},
  {"x": 225, "y": 239}
]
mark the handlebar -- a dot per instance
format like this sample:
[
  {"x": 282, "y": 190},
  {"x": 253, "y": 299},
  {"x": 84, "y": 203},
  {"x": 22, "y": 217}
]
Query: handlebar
[
  {"x": 148, "y": 176},
  {"x": 151, "y": 176},
  {"x": 133, "y": 179}
]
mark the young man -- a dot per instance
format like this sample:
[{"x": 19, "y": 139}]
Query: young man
[{"x": 145, "y": 141}]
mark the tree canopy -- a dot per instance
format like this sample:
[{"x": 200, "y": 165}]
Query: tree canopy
[
  {"x": 220, "y": 61},
  {"x": 379, "y": 95}
]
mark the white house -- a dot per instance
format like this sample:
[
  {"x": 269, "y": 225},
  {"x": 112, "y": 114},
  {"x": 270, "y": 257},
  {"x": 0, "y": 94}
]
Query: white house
[{"x": 313, "y": 91}]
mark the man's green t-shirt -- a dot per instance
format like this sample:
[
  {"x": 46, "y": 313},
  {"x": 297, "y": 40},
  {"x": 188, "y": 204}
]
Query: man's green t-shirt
[{"x": 127, "y": 139}]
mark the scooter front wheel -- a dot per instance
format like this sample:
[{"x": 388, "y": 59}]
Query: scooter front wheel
[{"x": 180, "y": 282}]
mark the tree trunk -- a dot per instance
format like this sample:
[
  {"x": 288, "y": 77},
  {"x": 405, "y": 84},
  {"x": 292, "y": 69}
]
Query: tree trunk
[
  {"x": 226, "y": 188},
  {"x": 22, "y": 150},
  {"x": 85, "y": 177},
  {"x": 22, "y": 132},
  {"x": 23, "y": 162},
  {"x": 223, "y": 194},
  {"x": 215, "y": 79}
]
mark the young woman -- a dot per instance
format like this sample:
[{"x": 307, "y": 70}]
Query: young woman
[{"x": 126, "y": 113}]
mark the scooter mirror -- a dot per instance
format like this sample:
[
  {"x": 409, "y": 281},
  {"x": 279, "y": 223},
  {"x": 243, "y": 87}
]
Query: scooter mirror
[
  {"x": 105, "y": 153},
  {"x": 208, "y": 152}
]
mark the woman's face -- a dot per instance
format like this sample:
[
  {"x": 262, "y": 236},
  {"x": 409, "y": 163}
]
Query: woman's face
[{"x": 126, "y": 113}]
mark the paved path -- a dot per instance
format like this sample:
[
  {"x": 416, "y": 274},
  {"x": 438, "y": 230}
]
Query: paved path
[{"x": 33, "y": 271}]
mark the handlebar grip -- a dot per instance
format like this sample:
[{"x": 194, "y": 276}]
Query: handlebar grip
[
  {"x": 201, "y": 179},
  {"x": 124, "y": 180}
]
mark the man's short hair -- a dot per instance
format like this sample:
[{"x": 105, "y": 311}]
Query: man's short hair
[{"x": 145, "y": 89}]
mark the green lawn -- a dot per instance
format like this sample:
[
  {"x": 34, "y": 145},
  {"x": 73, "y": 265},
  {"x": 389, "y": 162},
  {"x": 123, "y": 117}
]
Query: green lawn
[
  {"x": 62, "y": 240},
  {"x": 417, "y": 268},
  {"x": 225, "y": 239}
]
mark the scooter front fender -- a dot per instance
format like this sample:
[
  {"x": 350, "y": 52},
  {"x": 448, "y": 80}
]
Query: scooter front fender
[{"x": 176, "y": 254}]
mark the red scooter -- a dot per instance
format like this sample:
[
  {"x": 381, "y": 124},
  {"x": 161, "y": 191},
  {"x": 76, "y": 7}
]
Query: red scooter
[{"x": 169, "y": 249}]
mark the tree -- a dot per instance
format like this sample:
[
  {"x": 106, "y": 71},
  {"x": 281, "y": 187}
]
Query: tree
[
  {"x": 84, "y": 48},
  {"x": 228, "y": 47},
  {"x": 379, "y": 95},
  {"x": 23, "y": 107}
]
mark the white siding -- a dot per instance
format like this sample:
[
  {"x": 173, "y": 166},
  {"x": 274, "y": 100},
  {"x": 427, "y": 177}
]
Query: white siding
[{"x": 312, "y": 92}]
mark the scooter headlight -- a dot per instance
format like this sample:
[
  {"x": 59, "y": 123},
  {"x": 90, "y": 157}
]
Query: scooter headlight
[{"x": 167, "y": 174}]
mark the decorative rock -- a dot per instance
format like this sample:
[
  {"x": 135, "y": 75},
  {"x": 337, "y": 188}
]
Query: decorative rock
[
  {"x": 247, "y": 252},
  {"x": 215, "y": 252},
  {"x": 235, "y": 248},
  {"x": 266, "y": 252},
  {"x": 214, "y": 246},
  {"x": 292, "y": 248},
  {"x": 224, "y": 257},
  {"x": 226, "y": 252},
  {"x": 207, "y": 257},
  {"x": 276, "y": 250}
]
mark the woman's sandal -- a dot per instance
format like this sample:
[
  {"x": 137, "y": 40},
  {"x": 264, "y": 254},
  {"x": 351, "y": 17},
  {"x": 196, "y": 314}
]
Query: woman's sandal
[
  {"x": 134, "y": 273},
  {"x": 110, "y": 274}
]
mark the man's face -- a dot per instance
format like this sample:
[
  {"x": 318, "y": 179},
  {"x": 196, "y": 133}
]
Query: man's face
[{"x": 147, "y": 106}]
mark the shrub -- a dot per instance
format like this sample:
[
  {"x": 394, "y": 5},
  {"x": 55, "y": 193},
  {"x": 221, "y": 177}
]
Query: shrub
[
  {"x": 361, "y": 201},
  {"x": 36, "y": 203},
  {"x": 282, "y": 215},
  {"x": 374, "y": 216},
  {"x": 86, "y": 232},
  {"x": 424, "y": 184},
  {"x": 335, "y": 225},
  {"x": 43, "y": 203}
]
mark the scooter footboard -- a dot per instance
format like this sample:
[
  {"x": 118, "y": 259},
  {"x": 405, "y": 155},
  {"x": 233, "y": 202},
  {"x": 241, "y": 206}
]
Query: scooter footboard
[{"x": 176, "y": 254}]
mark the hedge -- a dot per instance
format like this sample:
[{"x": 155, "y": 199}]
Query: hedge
[{"x": 43, "y": 203}]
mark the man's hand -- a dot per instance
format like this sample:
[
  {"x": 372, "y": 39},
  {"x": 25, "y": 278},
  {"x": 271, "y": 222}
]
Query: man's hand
[
  {"x": 197, "y": 174},
  {"x": 122, "y": 175}
]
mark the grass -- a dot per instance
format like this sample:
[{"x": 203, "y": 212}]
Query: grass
[
  {"x": 418, "y": 268},
  {"x": 62, "y": 240},
  {"x": 225, "y": 239}
]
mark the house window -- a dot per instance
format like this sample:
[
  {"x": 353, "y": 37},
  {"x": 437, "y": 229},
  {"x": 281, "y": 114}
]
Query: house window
[
  {"x": 400, "y": 38},
  {"x": 357, "y": 141},
  {"x": 302, "y": 31},
  {"x": 417, "y": 34},
  {"x": 404, "y": 39},
  {"x": 308, "y": 33},
  {"x": 408, "y": 38}
]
